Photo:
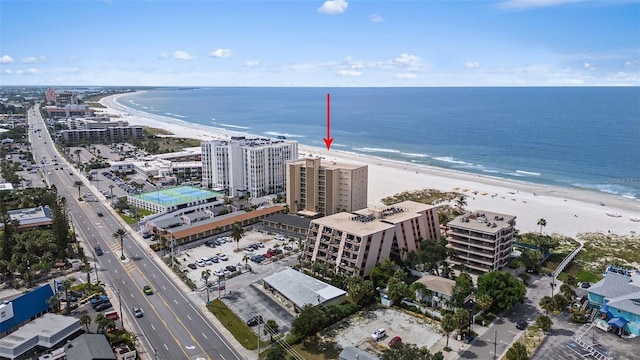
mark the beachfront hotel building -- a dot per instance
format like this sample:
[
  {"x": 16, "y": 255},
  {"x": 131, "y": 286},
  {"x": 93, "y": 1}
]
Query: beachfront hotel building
[
  {"x": 99, "y": 130},
  {"x": 319, "y": 189},
  {"x": 247, "y": 166},
  {"x": 354, "y": 242},
  {"x": 482, "y": 240}
]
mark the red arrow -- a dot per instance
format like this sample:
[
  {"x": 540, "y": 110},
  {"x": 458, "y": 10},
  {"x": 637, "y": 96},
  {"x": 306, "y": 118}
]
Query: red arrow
[{"x": 328, "y": 139}]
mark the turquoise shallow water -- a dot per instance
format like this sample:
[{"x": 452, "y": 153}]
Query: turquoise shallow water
[{"x": 571, "y": 137}]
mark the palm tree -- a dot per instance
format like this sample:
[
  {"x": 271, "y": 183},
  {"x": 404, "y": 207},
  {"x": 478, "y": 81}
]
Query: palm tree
[
  {"x": 237, "y": 232},
  {"x": 206, "y": 274},
  {"x": 542, "y": 223},
  {"x": 120, "y": 234},
  {"x": 484, "y": 301},
  {"x": 54, "y": 302},
  {"x": 77, "y": 152},
  {"x": 111, "y": 186},
  {"x": 448, "y": 325},
  {"x": 418, "y": 290},
  {"x": 461, "y": 203},
  {"x": 78, "y": 184},
  {"x": 85, "y": 320},
  {"x": 99, "y": 320},
  {"x": 270, "y": 328},
  {"x": 66, "y": 286},
  {"x": 246, "y": 258}
]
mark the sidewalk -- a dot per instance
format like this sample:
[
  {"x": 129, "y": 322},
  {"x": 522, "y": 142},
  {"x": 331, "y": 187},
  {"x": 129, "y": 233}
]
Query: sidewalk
[{"x": 457, "y": 347}]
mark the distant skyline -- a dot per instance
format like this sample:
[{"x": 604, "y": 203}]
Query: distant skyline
[{"x": 330, "y": 43}]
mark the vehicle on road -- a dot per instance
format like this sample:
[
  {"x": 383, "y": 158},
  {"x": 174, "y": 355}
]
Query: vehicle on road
[
  {"x": 521, "y": 324},
  {"x": 99, "y": 251},
  {"x": 147, "y": 290},
  {"x": 395, "y": 341},
  {"x": 100, "y": 214},
  {"x": 378, "y": 334},
  {"x": 137, "y": 312},
  {"x": 255, "y": 320}
]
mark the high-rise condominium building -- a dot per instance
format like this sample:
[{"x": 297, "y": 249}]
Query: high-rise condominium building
[
  {"x": 482, "y": 240},
  {"x": 315, "y": 188},
  {"x": 353, "y": 243},
  {"x": 241, "y": 166}
]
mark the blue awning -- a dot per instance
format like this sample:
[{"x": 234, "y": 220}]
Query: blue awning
[
  {"x": 604, "y": 308},
  {"x": 618, "y": 322}
]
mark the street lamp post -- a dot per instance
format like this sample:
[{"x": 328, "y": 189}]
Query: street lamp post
[
  {"x": 29, "y": 272},
  {"x": 121, "y": 313}
]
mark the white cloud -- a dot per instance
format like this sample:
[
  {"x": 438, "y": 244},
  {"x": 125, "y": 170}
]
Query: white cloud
[
  {"x": 221, "y": 53},
  {"x": 33, "y": 60},
  {"x": 251, "y": 63},
  {"x": 8, "y": 71},
  {"x": 333, "y": 7},
  {"x": 589, "y": 66},
  {"x": 407, "y": 76},
  {"x": 73, "y": 71},
  {"x": 405, "y": 60},
  {"x": 472, "y": 65},
  {"x": 375, "y": 18},
  {"x": 349, "y": 73},
  {"x": 532, "y": 4},
  {"x": 182, "y": 55},
  {"x": 163, "y": 55},
  {"x": 630, "y": 63},
  {"x": 30, "y": 71},
  {"x": 6, "y": 59}
]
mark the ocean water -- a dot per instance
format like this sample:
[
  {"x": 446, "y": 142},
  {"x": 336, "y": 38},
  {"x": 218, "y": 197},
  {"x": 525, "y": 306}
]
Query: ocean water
[{"x": 571, "y": 137}]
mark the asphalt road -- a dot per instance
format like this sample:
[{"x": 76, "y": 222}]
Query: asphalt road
[{"x": 173, "y": 327}]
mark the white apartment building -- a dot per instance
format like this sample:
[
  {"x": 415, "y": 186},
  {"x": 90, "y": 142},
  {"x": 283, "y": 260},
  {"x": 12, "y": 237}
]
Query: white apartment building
[
  {"x": 353, "y": 243},
  {"x": 247, "y": 166},
  {"x": 315, "y": 188},
  {"x": 482, "y": 240}
]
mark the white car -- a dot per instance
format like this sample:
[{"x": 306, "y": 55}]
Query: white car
[
  {"x": 218, "y": 272},
  {"x": 200, "y": 262},
  {"x": 378, "y": 334},
  {"x": 223, "y": 257}
]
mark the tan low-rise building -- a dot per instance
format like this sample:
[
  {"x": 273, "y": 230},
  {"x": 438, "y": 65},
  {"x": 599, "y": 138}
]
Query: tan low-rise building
[
  {"x": 482, "y": 240},
  {"x": 353, "y": 243}
]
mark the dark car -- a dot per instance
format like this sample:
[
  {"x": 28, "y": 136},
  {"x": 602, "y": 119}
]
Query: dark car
[
  {"x": 192, "y": 266},
  {"x": 231, "y": 268},
  {"x": 585, "y": 285},
  {"x": 99, "y": 302},
  {"x": 255, "y": 320},
  {"x": 100, "y": 214},
  {"x": 99, "y": 251},
  {"x": 521, "y": 324},
  {"x": 103, "y": 306}
]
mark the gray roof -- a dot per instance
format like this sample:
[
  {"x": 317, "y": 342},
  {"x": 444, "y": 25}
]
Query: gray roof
[
  {"x": 90, "y": 347},
  {"x": 353, "y": 353},
  {"x": 32, "y": 216},
  {"x": 291, "y": 220},
  {"x": 46, "y": 331},
  {"x": 302, "y": 289},
  {"x": 614, "y": 285}
]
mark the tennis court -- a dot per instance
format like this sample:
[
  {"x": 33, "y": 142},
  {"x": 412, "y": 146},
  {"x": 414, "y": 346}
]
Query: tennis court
[{"x": 177, "y": 195}]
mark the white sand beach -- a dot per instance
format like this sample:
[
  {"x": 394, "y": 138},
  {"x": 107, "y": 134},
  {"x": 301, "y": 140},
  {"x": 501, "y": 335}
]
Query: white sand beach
[{"x": 567, "y": 211}]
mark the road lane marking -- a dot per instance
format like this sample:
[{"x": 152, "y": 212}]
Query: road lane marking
[
  {"x": 189, "y": 317},
  {"x": 175, "y": 301},
  {"x": 165, "y": 346},
  {"x": 153, "y": 327},
  {"x": 205, "y": 336},
  {"x": 132, "y": 296}
]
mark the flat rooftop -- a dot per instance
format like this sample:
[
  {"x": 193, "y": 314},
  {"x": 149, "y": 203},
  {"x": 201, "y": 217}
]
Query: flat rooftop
[
  {"x": 177, "y": 195},
  {"x": 302, "y": 289},
  {"x": 483, "y": 221}
]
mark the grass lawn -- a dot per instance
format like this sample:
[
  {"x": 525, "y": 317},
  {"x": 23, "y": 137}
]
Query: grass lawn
[{"x": 238, "y": 328}]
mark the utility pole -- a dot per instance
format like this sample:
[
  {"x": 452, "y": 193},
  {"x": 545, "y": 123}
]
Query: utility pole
[
  {"x": 495, "y": 344},
  {"x": 121, "y": 313}
]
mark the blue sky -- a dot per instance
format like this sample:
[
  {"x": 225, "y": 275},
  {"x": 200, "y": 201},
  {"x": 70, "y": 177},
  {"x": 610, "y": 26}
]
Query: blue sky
[{"x": 320, "y": 43}]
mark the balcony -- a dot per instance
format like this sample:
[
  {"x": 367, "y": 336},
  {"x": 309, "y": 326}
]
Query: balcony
[{"x": 470, "y": 242}]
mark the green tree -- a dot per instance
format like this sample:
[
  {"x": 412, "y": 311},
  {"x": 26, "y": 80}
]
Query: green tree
[
  {"x": 461, "y": 289},
  {"x": 546, "y": 243},
  {"x": 531, "y": 259},
  {"x": 78, "y": 184},
  {"x": 484, "y": 302},
  {"x": 360, "y": 291},
  {"x": 309, "y": 321},
  {"x": 77, "y": 152},
  {"x": 66, "y": 286},
  {"x": 276, "y": 352},
  {"x": 397, "y": 289},
  {"x": 85, "y": 320},
  {"x": 120, "y": 234},
  {"x": 271, "y": 328},
  {"x": 505, "y": 289},
  {"x": 447, "y": 325},
  {"x": 547, "y": 304},
  {"x": 419, "y": 291},
  {"x": 461, "y": 318},
  {"x": 542, "y": 223},
  {"x": 405, "y": 352},
  {"x": 544, "y": 322},
  {"x": 381, "y": 273},
  {"x": 54, "y": 302},
  {"x": 517, "y": 351},
  {"x": 237, "y": 232},
  {"x": 568, "y": 292},
  {"x": 461, "y": 203}
]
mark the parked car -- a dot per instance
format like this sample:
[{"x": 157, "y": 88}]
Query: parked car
[
  {"x": 260, "y": 244},
  {"x": 585, "y": 285},
  {"x": 137, "y": 312},
  {"x": 395, "y": 341},
  {"x": 231, "y": 268},
  {"x": 214, "y": 259},
  {"x": 378, "y": 334},
  {"x": 218, "y": 272},
  {"x": 223, "y": 257},
  {"x": 97, "y": 298},
  {"x": 192, "y": 266},
  {"x": 103, "y": 306},
  {"x": 200, "y": 262},
  {"x": 521, "y": 324},
  {"x": 255, "y": 320},
  {"x": 147, "y": 290}
]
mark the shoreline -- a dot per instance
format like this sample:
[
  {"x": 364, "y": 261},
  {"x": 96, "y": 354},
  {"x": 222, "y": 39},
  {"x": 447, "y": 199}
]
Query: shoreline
[{"x": 567, "y": 211}]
